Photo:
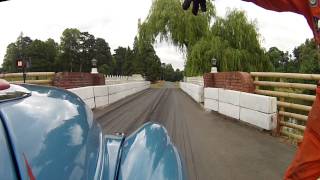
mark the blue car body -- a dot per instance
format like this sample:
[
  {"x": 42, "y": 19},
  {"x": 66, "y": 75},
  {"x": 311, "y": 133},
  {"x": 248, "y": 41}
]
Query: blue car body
[{"x": 49, "y": 133}]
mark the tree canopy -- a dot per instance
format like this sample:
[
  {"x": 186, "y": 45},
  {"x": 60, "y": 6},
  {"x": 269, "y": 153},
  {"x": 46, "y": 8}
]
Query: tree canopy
[
  {"x": 77, "y": 49},
  {"x": 232, "y": 40}
]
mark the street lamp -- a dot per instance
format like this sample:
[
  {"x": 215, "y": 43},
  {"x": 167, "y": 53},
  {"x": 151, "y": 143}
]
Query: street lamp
[
  {"x": 163, "y": 65},
  {"x": 94, "y": 69},
  {"x": 214, "y": 62}
]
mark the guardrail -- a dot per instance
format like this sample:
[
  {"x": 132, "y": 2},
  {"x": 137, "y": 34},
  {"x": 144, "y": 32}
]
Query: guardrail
[
  {"x": 294, "y": 105},
  {"x": 103, "y": 95},
  {"x": 42, "y": 78}
]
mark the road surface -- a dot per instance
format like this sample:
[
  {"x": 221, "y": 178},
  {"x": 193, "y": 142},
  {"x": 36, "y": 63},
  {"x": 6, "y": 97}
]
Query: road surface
[{"x": 212, "y": 146}]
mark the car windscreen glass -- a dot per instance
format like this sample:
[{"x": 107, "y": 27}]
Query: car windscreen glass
[{"x": 14, "y": 92}]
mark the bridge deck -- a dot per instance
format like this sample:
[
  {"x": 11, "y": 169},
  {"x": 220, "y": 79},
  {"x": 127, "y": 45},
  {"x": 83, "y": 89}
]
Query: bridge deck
[{"x": 213, "y": 146}]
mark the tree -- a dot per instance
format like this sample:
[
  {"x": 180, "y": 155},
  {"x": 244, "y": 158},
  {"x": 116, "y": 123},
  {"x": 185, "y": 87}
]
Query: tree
[
  {"x": 167, "y": 19},
  {"x": 42, "y": 55},
  {"x": 86, "y": 48},
  {"x": 103, "y": 55},
  {"x": 119, "y": 58},
  {"x": 309, "y": 57},
  {"x": 233, "y": 40},
  {"x": 70, "y": 49},
  {"x": 9, "y": 62},
  {"x": 16, "y": 50}
]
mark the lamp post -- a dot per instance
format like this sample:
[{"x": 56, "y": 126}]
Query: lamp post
[
  {"x": 94, "y": 69},
  {"x": 214, "y": 62},
  {"x": 162, "y": 71}
]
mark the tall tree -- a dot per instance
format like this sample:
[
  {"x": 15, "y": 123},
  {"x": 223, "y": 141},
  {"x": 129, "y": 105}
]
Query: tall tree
[
  {"x": 103, "y": 55},
  {"x": 42, "y": 55},
  {"x": 70, "y": 49},
  {"x": 167, "y": 19},
  {"x": 119, "y": 58},
  {"x": 87, "y": 51},
  {"x": 309, "y": 57},
  {"x": 233, "y": 40},
  {"x": 16, "y": 50}
]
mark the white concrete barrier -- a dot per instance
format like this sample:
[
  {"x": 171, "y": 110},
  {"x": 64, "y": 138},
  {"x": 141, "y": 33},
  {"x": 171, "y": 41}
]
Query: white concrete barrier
[
  {"x": 211, "y": 93},
  {"x": 264, "y": 104},
  {"x": 86, "y": 94},
  {"x": 254, "y": 109},
  {"x": 211, "y": 104},
  {"x": 100, "y": 96},
  {"x": 259, "y": 119},
  {"x": 229, "y": 110},
  {"x": 229, "y": 96},
  {"x": 193, "y": 90}
]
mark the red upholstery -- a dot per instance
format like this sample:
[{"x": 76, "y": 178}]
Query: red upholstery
[{"x": 4, "y": 84}]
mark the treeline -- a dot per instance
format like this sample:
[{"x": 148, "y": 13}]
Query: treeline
[
  {"x": 304, "y": 59},
  {"x": 77, "y": 49}
]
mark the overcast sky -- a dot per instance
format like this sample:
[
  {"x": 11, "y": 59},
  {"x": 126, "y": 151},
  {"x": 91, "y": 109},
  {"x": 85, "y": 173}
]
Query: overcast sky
[{"x": 116, "y": 21}]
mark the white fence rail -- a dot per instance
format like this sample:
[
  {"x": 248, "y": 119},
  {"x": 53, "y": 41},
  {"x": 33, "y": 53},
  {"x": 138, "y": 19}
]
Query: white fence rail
[{"x": 100, "y": 96}]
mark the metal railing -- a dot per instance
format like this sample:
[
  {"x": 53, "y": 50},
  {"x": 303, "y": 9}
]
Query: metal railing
[
  {"x": 41, "y": 78},
  {"x": 293, "y": 102}
]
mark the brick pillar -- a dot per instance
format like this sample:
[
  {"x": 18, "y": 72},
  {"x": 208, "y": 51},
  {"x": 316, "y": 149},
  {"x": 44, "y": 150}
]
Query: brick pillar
[
  {"x": 98, "y": 79},
  {"x": 239, "y": 81},
  {"x": 208, "y": 80}
]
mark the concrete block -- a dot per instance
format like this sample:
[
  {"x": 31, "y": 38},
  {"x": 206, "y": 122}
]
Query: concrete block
[
  {"x": 83, "y": 92},
  {"x": 90, "y": 102},
  {"x": 101, "y": 101},
  {"x": 113, "y": 89},
  {"x": 114, "y": 98},
  {"x": 193, "y": 90},
  {"x": 264, "y": 104},
  {"x": 211, "y": 104},
  {"x": 229, "y": 110},
  {"x": 229, "y": 96},
  {"x": 211, "y": 93},
  {"x": 259, "y": 119},
  {"x": 100, "y": 91}
]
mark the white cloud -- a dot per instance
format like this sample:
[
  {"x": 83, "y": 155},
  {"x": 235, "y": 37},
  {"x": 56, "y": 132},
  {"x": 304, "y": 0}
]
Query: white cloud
[
  {"x": 283, "y": 30},
  {"x": 116, "y": 21}
]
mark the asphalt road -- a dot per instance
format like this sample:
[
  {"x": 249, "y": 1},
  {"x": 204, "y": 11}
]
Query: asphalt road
[{"x": 212, "y": 146}]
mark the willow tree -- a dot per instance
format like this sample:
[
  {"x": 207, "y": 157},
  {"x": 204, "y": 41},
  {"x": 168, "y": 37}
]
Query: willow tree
[
  {"x": 244, "y": 52},
  {"x": 233, "y": 40},
  {"x": 168, "y": 21}
]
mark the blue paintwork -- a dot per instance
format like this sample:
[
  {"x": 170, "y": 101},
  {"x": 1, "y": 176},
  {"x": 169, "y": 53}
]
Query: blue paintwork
[
  {"x": 149, "y": 154},
  {"x": 7, "y": 169},
  {"x": 54, "y": 131}
]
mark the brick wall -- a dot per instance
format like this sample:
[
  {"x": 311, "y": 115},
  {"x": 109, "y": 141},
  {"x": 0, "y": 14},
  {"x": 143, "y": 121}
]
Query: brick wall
[
  {"x": 69, "y": 80},
  {"x": 239, "y": 81}
]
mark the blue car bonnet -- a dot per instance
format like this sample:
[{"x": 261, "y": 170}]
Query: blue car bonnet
[{"x": 53, "y": 136}]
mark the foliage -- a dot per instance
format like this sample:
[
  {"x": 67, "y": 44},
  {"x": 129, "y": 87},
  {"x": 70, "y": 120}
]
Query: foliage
[
  {"x": 70, "y": 49},
  {"x": 233, "y": 40},
  {"x": 308, "y": 57},
  {"x": 76, "y": 51},
  {"x": 167, "y": 19}
]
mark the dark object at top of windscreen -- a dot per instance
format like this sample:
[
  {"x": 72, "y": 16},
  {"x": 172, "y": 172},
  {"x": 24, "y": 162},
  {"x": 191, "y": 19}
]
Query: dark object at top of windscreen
[
  {"x": 196, "y": 4},
  {"x": 3, "y": 0}
]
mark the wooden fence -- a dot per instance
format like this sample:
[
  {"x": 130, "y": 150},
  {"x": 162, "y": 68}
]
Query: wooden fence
[
  {"x": 41, "y": 78},
  {"x": 294, "y": 103}
]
